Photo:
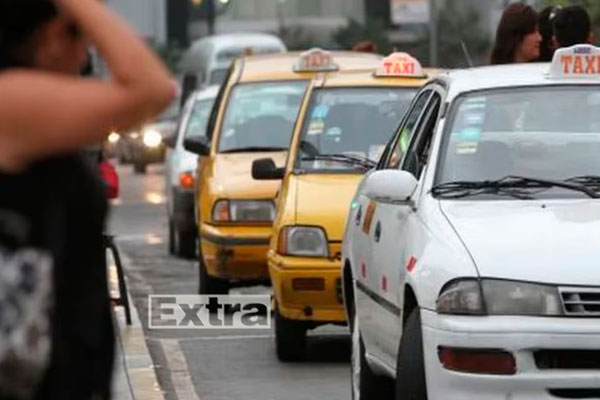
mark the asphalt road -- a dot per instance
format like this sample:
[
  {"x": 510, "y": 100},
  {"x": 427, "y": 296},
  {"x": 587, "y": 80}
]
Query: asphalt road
[{"x": 206, "y": 364}]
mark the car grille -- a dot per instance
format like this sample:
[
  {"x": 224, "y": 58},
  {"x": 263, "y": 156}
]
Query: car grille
[
  {"x": 581, "y": 302},
  {"x": 567, "y": 359}
]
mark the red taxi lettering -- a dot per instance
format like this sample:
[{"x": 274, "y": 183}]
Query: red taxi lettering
[
  {"x": 578, "y": 67},
  {"x": 566, "y": 62},
  {"x": 388, "y": 67},
  {"x": 590, "y": 62}
]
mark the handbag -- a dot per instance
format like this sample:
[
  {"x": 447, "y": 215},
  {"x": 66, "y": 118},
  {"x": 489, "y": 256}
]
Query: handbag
[{"x": 25, "y": 309}]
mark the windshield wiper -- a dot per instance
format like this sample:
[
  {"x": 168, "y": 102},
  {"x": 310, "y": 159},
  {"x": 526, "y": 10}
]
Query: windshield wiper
[
  {"x": 516, "y": 186},
  {"x": 586, "y": 180},
  {"x": 344, "y": 158},
  {"x": 253, "y": 149}
]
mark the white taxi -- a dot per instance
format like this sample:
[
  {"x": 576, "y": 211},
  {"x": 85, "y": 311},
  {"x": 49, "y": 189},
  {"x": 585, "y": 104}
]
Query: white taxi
[{"x": 471, "y": 255}]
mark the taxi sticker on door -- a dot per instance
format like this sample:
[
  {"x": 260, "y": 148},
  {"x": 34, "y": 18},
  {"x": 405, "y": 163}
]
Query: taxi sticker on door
[{"x": 369, "y": 217}]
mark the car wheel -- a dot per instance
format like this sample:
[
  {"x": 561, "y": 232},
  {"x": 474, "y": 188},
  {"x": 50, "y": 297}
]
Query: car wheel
[
  {"x": 185, "y": 243},
  {"x": 139, "y": 168},
  {"x": 290, "y": 338},
  {"x": 171, "y": 237},
  {"x": 366, "y": 384},
  {"x": 209, "y": 285},
  {"x": 410, "y": 370}
]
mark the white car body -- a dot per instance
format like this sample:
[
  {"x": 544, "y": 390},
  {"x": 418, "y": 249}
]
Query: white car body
[
  {"x": 180, "y": 200},
  {"x": 412, "y": 248}
]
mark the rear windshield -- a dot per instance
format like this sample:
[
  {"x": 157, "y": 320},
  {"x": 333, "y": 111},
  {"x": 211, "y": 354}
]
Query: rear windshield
[
  {"x": 217, "y": 76},
  {"x": 199, "y": 118},
  {"x": 261, "y": 116}
]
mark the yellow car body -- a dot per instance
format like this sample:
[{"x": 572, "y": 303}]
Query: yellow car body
[
  {"x": 308, "y": 289},
  {"x": 236, "y": 251}
]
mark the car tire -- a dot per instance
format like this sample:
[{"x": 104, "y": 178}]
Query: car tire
[
  {"x": 184, "y": 242},
  {"x": 139, "y": 168},
  {"x": 410, "y": 369},
  {"x": 366, "y": 384},
  {"x": 171, "y": 237},
  {"x": 290, "y": 338},
  {"x": 209, "y": 285}
]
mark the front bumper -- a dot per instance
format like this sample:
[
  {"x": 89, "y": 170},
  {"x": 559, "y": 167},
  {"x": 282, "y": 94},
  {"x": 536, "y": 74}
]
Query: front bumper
[
  {"x": 323, "y": 306},
  {"x": 236, "y": 252},
  {"x": 524, "y": 337}
]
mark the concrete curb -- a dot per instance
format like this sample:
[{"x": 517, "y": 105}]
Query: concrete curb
[{"x": 134, "y": 355}]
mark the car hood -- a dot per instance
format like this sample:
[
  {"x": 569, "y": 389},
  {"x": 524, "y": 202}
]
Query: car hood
[
  {"x": 232, "y": 176},
  {"x": 324, "y": 200},
  {"x": 550, "y": 242}
]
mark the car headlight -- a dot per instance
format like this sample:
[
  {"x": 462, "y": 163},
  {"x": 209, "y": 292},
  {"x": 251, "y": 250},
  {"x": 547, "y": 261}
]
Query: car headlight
[
  {"x": 244, "y": 211},
  {"x": 499, "y": 297},
  {"x": 307, "y": 241},
  {"x": 113, "y": 138},
  {"x": 152, "y": 138}
]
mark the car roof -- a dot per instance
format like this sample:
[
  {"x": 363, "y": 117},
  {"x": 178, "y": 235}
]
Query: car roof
[
  {"x": 240, "y": 39},
  {"x": 368, "y": 79},
  {"x": 269, "y": 67},
  {"x": 504, "y": 76}
]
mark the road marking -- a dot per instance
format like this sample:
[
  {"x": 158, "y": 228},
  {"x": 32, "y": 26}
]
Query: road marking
[
  {"x": 180, "y": 376},
  {"x": 215, "y": 338}
]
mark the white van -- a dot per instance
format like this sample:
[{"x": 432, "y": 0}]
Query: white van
[{"x": 207, "y": 60}]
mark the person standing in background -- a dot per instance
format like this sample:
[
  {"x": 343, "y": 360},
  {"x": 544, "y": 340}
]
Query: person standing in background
[
  {"x": 546, "y": 28},
  {"x": 572, "y": 26},
  {"x": 518, "y": 39}
]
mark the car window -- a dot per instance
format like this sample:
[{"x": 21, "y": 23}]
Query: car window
[
  {"x": 406, "y": 131},
  {"x": 547, "y": 133},
  {"x": 198, "y": 119},
  {"x": 350, "y": 121},
  {"x": 261, "y": 115},
  {"x": 417, "y": 153},
  {"x": 217, "y": 76}
]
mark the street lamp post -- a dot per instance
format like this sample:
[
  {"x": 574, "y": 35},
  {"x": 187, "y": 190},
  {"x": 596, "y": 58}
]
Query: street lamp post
[
  {"x": 210, "y": 16},
  {"x": 433, "y": 33}
]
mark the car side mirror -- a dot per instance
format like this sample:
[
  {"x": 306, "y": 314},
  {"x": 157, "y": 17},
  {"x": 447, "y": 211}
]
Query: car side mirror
[
  {"x": 170, "y": 140},
  {"x": 391, "y": 186},
  {"x": 199, "y": 145},
  {"x": 264, "y": 169}
]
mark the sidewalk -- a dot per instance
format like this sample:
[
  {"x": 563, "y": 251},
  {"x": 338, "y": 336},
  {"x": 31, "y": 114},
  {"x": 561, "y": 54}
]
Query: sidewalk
[{"x": 134, "y": 375}]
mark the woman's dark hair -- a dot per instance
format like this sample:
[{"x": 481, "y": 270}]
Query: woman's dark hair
[
  {"x": 19, "y": 19},
  {"x": 546, "y": 27},
  {"x": 518, "y": 20}
]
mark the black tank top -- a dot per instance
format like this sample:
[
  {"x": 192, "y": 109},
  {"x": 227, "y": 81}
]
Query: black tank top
[{"x": 64, "y": 204}]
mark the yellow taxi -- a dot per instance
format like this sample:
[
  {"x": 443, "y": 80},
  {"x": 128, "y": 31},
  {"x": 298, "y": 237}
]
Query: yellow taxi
[
  {"x": 345, "y": 121},
  {"x": 253, "y": 117}
]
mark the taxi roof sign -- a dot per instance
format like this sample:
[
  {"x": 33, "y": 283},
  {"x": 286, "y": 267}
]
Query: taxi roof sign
[
  {"x": 400, "y": 65},
  {"x": 315, "y": 60},
  {"x": 580, "y": 61}
]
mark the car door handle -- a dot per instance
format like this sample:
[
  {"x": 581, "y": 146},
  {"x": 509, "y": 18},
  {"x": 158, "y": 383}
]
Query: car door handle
[{"x": 377, "y": 232}]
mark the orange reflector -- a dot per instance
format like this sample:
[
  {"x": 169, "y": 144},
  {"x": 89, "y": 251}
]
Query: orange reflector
[
  {"x": 186, "y": 180},
  {"x": 309, "y": 284},
  {"x": 475, "y": 361}
]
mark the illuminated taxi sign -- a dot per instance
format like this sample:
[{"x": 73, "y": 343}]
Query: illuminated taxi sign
[
  {"x": 401, "y": 65},
  {"x": 315, "y": 60},
  {"x": 582, "y": 61}
]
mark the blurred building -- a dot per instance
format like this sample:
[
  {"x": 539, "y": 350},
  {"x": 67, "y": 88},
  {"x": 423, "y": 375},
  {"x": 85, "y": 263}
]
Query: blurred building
[
  {"x": 319, "y": 18},
  {"x": 148, "y": 17}
]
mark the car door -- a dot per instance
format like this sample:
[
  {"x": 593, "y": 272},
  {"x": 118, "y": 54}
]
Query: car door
[
  {"x": 372, "y": 307},
  {"x": 394, "y": 229}
]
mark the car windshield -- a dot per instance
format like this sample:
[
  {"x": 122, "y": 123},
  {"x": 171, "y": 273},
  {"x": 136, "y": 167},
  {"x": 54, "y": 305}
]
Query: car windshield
[
  {"x": 545, "y": 133},
  {"x": 217, "y": 76},
  {"x": 346, "y": 125},
  {"x": 261, "y": 116},
  {"x": 199, "y": 118}
]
